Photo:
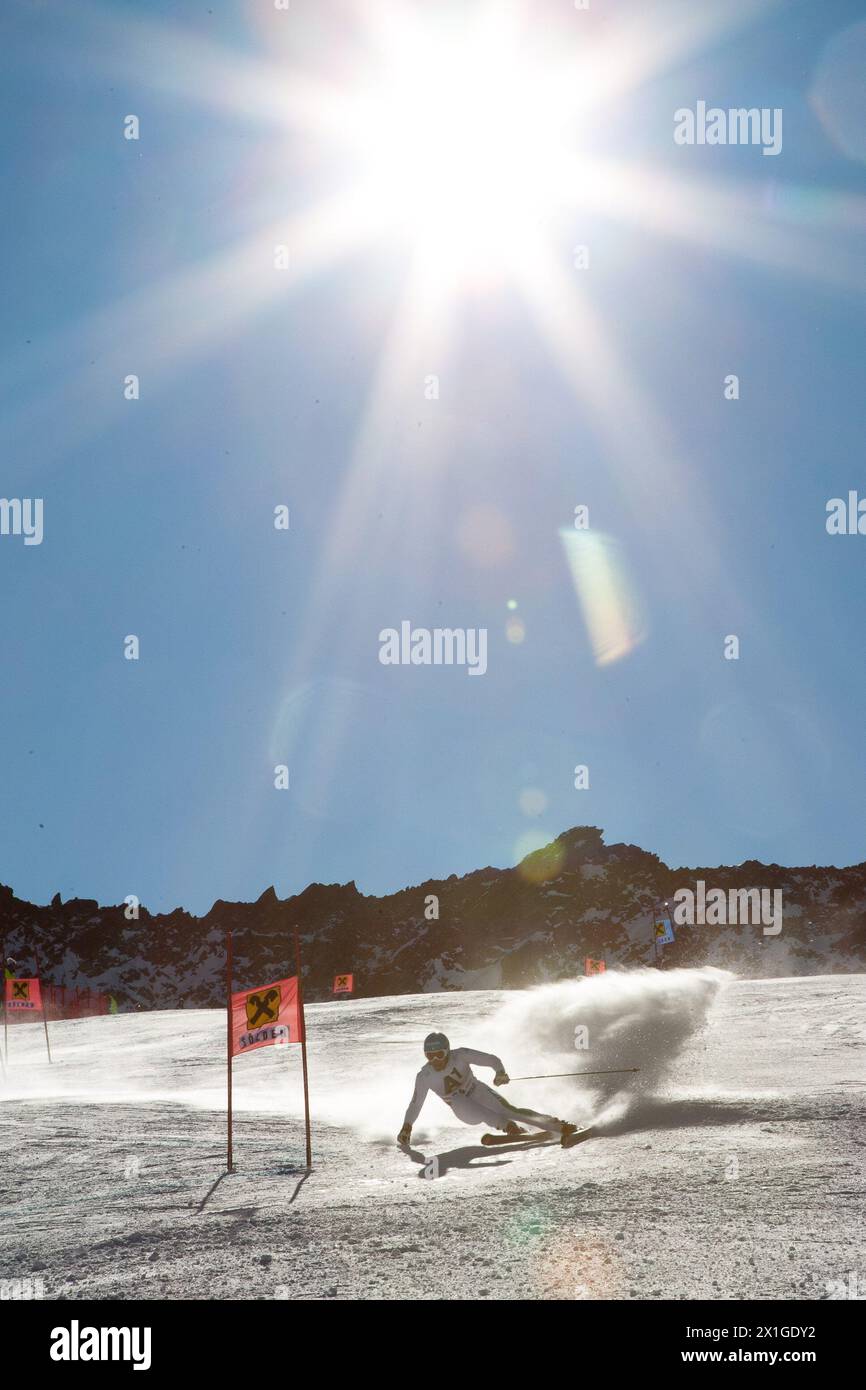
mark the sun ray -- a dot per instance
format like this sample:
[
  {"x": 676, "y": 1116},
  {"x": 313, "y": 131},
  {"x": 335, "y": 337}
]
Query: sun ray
[
  {"x": 643, "y": 44},
  {"x": 418, "y": 335},
  {"x": 189, "y": 314},
  {"x": 161, "y": 56},
  {"x": 637, "y": 438},
  {"x": 736, "y": 219}
]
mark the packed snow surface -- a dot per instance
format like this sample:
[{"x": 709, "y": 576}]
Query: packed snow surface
[{"x": 730, "y": 1165}]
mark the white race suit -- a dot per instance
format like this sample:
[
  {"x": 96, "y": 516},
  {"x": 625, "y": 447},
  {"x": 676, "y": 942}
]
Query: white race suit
[{"x": 472, "y": 1101}]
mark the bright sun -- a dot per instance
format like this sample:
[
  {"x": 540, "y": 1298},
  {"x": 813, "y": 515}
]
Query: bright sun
[{"x": 462, "y": 147}]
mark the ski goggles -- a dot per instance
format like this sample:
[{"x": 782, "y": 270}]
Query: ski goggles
[{"x": 438, "y": 1055}]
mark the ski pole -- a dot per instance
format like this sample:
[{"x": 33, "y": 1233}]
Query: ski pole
[{"x": 549, "y": 1076}]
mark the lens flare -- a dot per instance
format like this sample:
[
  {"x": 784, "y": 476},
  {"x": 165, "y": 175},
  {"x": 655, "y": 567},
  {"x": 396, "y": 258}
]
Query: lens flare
[
  {"x": 610, "y": 606},
  {"x": 582, "y": 1268},
  {"x": 838, "y": 94},
  {"x": 485, "y": 536},
  {"x": 539, "y": 857},
  {"x": 533, "y": 801}
]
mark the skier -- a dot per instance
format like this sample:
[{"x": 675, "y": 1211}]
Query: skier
[{"x": 448, "y": 1074}]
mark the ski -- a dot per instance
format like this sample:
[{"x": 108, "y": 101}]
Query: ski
[{"x": 539, "y": 1137}]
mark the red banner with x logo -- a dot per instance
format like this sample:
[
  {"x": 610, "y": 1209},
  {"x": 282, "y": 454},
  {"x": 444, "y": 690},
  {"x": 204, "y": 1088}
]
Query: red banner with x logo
[
  {"x": 261, "y": 1017},
  {"x": 23, "y": 996}
]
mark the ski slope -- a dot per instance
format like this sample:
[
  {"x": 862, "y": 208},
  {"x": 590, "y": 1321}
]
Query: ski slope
[{"x": 732, "y": 1166}]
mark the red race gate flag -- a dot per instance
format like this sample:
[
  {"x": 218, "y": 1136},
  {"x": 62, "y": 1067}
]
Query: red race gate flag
[
  {"x": 344, "y": 984},
  {"x": 23, "y": 996},
  {"x": 264, "y": 1016},
  {"x": 594, "y": 967}
]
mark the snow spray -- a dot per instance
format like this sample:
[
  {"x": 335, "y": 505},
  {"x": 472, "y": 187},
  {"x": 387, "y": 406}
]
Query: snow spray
[{"x": 639, "y": 1018}]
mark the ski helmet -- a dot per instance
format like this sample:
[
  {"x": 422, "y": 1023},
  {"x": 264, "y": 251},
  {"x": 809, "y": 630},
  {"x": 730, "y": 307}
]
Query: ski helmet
[{"x": 436, "y": 1042}]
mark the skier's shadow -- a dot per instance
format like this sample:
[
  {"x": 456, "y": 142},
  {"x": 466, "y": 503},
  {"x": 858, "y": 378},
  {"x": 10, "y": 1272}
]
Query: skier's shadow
[{"x": 437, "y": 1165}]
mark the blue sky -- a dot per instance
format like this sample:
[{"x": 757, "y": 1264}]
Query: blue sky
[{"x": 259, "y": 647}]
